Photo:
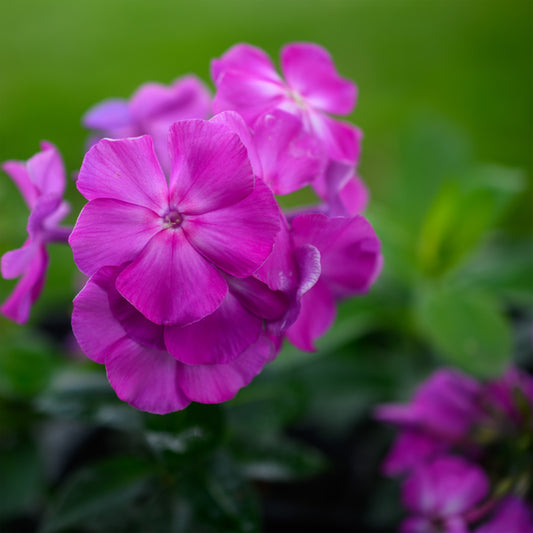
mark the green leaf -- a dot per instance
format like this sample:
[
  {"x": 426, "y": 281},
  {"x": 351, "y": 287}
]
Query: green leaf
[
  {"x": 462, "y": 213},
  {"x": 97, "y": 492},
  {"x": 279, "y": 459},
  {"x": 466, "y": 328},
  {"x": 82, "y": 392},
  {"x": 27, "y": 363},
  {"x": 217, "y": 499},
  {"x": 196, "y": 429},
  {"x": 22, "y": 479}
]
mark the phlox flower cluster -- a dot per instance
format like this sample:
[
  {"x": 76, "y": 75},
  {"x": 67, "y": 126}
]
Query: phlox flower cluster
[
  {"x": 464, "y": 451},
  {"x": 195, "y": 274}
]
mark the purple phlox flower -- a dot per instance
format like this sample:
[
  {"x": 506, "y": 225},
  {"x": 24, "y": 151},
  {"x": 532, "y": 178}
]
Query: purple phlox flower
[
  {"x": 439, "y": 493},
  {"x": 151, "y": 110},
  {"x": 247, "y": 82},
  {"x": 181, "y": 238},
  {"x": 138, "y": 363},
  {"x": 511, "y": 515},
  {"x": 445, "y": 406},
  {"x": 280, "y": 151},
  {"x": 343, "y": 192},
  {"x": 350, "y": 261},
  {"x": 510, "y": 398},
  {"x": 41, "y": 181}
]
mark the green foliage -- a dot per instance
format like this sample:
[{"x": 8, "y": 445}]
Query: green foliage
[{"x": 467, "y": 327}]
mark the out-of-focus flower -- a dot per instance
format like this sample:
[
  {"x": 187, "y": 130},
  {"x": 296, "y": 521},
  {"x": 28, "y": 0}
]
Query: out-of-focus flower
[
  {"x": 485, "y": 423},
  {"x": 151, "y": 110},
  {"x": 440, "y": 415},
  {"x": 511, "y": 515},
  {"x": 247, "y": 82},
  {"x": 440, "y": 493},
  {"x": 209, "y": 221},
  {"x": 41, "y": 181},
  {"x": 350, "y": 259}
]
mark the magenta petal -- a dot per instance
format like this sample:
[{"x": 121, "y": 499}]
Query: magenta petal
[
  {"x": 279, "y": 271},
  {"x": 410, "y": 449},
  {"x": 219, "y": 383},
  {"x": 126, "y": 170},
  {"x": 512, "y": 514},
  {"x": 258, "y": 298},
  {"x": 290, "y": 158},
  {"x": 245, "y": 58},
  {"x": 93, "y": 323},
  {"x": 350, "y": 251},
  {"x": 216, "y": 339},
  {"x": 27, "y": 290},
  {"x": 18, "y": 172},
  {"x": 16, "y": 262},
  {"x": 158, "y": 104},
  {"x": 46, "y": 170},
  {"x": 110, "y": 233},
  {"x": 210, "y": 167},
  {"x": 310, "y": 72},
  {"x": 341, "y": 139},
  {"x": 108, "y": 115},
  {"x": 146, "y": 378},
  {"x": 238, "y": 238},
  {"x": 45, "y": 208},
  {"x": 444, "y": 487},
  {"x": 235, "y": 123},
  {"x": 316, "y": 316},
  {"x": 170, "y": 283}
]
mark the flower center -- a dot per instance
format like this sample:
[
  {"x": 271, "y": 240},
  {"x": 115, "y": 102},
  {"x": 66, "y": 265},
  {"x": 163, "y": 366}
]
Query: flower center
[
  {"x": 172, "y": 219},
  {"x": 297, "y": 98}
]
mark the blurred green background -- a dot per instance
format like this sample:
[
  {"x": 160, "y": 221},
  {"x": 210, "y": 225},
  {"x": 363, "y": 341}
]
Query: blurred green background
[{"x": 445, "y": 106}]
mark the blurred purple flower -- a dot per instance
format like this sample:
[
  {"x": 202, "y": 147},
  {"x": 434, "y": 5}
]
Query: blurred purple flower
[
  {"x": 151, "y": 110},
  {"x": 41, "y": 181},
  {"x": 440, "y": 492},
  {"x": 212, "y": 219},
  {"x": 511, "y": 515},
  {"x": 445, "y": 406},
  {"x": 247, "y": 82}
]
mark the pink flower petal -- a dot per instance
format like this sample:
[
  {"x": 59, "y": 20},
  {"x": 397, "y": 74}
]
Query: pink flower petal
[
  {"x": 245, "y": 58},
  {"x": 238, "y": 238},
  {"x": 46, "y": 206},
  {"x": 219, "y": 383},
  {"x": 16, "y": 262},
  {"x": 341, "y": 139},
  {"x": 94, "y": 325},
  {"x": 170, "y": 283},
  {"x": 158, "y": 104},
  {"x": 135, "y": 324},
  {"x": 290, "y": 158},
  {"x": 310, "y": 72},
  {"x": 258, "y": 298},
  {"x": 18, "y": 172},
  {"x": 27, "y": 290},
  {"x": 350, "y": 251},
  {"x": 146, "y": 378},
  {"x": 445, "y": 487},
  {"x": 316, "y": 316},
  {"x": 216, "y": 339},
  {"x": 46, "y": 171},
  {"x": 125, "y": 170},
  {"x": 108, "y": 115},
  {"x": 280, "y": 271},
  {"x": 235, "y": 123},
  {"x": 210, "y": 167},
  {"x": 111, "y": 232}
]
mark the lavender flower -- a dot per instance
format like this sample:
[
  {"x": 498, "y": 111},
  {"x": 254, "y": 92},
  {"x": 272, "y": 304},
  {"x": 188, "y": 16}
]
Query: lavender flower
[{"x": 41, "y": 181}]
